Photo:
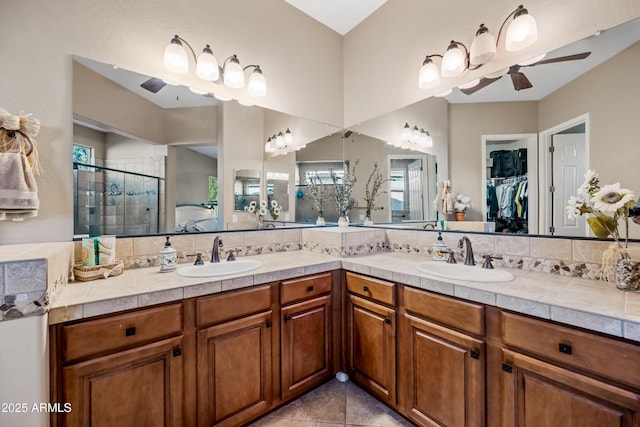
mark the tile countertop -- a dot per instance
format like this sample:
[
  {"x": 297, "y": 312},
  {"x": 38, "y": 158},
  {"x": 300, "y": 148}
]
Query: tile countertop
[{"x": 590, "y": 304}]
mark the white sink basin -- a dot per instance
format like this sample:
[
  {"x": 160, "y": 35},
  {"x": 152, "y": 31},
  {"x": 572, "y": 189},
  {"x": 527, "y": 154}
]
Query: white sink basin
[
  {"x": 464, "y": 272},
  {"x": 222, "y": 268}
]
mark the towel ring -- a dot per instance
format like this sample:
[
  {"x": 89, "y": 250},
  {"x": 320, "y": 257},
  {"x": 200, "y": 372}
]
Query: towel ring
[{"x": 11, "y": 134}]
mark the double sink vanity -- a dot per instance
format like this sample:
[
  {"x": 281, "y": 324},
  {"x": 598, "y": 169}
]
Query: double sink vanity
[{"x": 438, "y": 347}]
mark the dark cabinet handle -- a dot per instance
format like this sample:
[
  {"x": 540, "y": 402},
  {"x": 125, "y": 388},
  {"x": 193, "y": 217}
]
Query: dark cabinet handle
[
  {"x": 365, "y": 288},
  {"x": 387, "y": 321},
  {"x": 310, "y": 288},
  {"x": 287, "y": 317},
  {"x": 269, "y": 324},
  {"x": 129, "y": 332},
  {"x": 565, "y": 348},
  {"x": 475, "y": 354},
  {"x": 507, "y": 368},
  {"x": 177, "y": 352}
]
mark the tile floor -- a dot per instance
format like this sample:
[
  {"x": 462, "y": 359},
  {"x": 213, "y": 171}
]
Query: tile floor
[{"x": 331, "y": 405}]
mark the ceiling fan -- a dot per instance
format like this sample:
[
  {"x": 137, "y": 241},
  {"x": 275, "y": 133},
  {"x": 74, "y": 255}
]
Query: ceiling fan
[{"x": 518, "y": 78}]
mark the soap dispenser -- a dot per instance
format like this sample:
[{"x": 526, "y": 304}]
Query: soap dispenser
[
  {"x": 439, "y": 249},
  {"x": 168, "y": 258}
]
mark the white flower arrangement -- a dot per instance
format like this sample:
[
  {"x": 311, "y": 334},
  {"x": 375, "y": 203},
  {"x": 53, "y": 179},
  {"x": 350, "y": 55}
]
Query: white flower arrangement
[
  {"x": 461, "y": 203},
  {"x": 343, "y": 188},
  {"x": 261, "y": 210},
  {"x": 318, "y": 192},
  {"x": 607, "y": 204}
]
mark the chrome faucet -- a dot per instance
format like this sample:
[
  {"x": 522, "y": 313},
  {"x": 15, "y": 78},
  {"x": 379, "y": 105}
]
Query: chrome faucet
[
  {"x": 468, "y": 256},
  {"x": 215, "y": 252}
]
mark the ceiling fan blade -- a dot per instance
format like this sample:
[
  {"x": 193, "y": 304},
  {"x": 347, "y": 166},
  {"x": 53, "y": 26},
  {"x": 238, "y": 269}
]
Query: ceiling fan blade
[
  {"x": 520, "y": 81},
  {"x": 153, "y": 84},
  {"x": 575, "y": 57},
  {"x": 484, "y": 82}
]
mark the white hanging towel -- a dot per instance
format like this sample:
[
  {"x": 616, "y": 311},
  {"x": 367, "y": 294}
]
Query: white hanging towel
[
  {"x": 444, "y": 199},
  {"x": 18, "y": 188}
]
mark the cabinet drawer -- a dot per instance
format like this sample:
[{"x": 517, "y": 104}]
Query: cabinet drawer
[
  {"x": 113, "y": 333},
  {"x": 606, "y": 357},
  {"x": 307, "y": 287},
  {"x": 461, "y": 315},
  {"x": 232, "y": 305},
  {"x": 379, "y": 290}
]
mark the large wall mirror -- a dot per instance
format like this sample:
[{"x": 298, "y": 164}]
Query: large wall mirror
[{"x": 198, "y": 147}]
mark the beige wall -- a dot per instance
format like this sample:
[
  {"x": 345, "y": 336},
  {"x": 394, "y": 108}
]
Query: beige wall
[
  {"x": 610, "y": 93},
  {"x": 192, "y": 180},
  {"x": 467, "y": 124},
  {"x": 381, "y": 71}
]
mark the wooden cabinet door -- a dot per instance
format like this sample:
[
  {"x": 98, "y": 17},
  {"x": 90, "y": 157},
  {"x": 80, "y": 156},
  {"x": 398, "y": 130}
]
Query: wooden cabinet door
[
  {"x": 305, "y": 340},
  {"x": 371, "y": 347},
  {"x": 234, "y": 370},
  {"x": 138, "y": 387},
  {"x": 537, "y": 393},
  {"x": 444, "y": 374}
]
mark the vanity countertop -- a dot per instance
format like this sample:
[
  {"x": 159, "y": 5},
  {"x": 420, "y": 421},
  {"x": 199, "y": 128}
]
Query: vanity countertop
[{"x": 590, "y": 304}]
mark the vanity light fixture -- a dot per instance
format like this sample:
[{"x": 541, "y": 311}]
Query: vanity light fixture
[
  {"x": 281, "y": 143},
  {"x": 522, "y": 32},
  {"x": 416, "y": 136},
  {"x": 231, "y": 74}
]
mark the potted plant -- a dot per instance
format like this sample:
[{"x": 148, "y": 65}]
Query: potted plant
[
  {"x": 460, "y": 205},
  {"x": 371, "y": 191},
  {"x": 319, "y": 195},
  {"x": 343, "y": 189}
]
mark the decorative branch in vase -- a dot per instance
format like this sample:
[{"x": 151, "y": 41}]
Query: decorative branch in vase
[
  {"x": 371, "y": 191},
  {"x": 343, "y": 192},
  {"x": 319, "y": 194},
  {"x": 609, "y": 205}
]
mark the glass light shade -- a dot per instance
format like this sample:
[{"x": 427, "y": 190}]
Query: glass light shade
[
  {"x": 257, "y": 85},
  {"x": 415, "y": 135},
  {"x": 233, "y": 74},
  {"x": 453, "y": 62},
  {"x": 422, "y": 140},
  {"x": 405, "y": 135},
  {"x": 533, "y": 60},
  {"x": 288, "y": 138},
  {"x": 522, "y": 33},
  {"x": 207, "y": 65},
  {"x": 280, "y": 141},
  {"x": 175, "y": 57},
  {"x": 429, "y": 75},
  {"x": 428, "y": 143},
  {"x": 483, "y": 48},
  {"x": 470, "y": 84},
  {"x": 444, "y": 93},
  {"x": 268, "y": 147}
]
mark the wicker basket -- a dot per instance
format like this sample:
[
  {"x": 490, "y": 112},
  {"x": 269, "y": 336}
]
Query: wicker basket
[{"x": 86, "y": 274}]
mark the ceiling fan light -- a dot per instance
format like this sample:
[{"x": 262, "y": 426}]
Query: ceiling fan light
[
  {"x": 222, "y": 97},
  {"x": 257, "y": 85},
  {"x": 453, "y": 62},
  {"x": 429, "y": 75},
  {"x": 175, "y": 57},
  {"x": 207, "y": 65},
  {"x": 483, "y": 47},
  {"x": 233, "y": 74},
  {"x": 443, "y": 93},
  {"x": 470, "y": 84},
  {"x": 533, "y": 60},
  {"x": 522, "y": 31}
]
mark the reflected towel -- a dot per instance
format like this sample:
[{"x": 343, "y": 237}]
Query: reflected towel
[
  {"x": 444, "y": 199},
  {"x": 18, "y": 188}
]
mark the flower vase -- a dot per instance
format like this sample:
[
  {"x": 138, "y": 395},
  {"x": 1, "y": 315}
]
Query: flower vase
[
  {"x": 343, "y": 221},
  {"x": 320, "y": 221},
  {"x": 627, "y": 273},
  {"x": 367, "y": 219},
  {"x": 459, "y": 216}
]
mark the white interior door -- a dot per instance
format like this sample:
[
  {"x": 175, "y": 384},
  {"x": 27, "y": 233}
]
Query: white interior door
[
  {"x": 415, "y": 190},
  {"x": 569, "y": 167}
]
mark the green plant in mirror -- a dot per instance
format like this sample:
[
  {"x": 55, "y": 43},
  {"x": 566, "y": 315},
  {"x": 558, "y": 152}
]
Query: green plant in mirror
[{"x": 372, "y": 189}]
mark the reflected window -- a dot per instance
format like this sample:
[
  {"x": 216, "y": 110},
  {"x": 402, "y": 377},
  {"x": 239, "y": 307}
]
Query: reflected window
[
  {"x": 213, "y": 195},
  {"x": 397, "y": 188}
]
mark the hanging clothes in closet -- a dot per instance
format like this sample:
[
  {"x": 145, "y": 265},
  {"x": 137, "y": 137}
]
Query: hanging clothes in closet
[{"x": 507, "y": 203}]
